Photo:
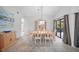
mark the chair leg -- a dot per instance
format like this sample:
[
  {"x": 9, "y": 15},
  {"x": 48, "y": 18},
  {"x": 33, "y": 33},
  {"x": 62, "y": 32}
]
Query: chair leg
[
  {"x": 52, "y": 40},
  {"x": 45, "y": 41},
  {"x": 40, "y": 41},
  {"x": 35, "y": 42},
  {"x": 49, "y": 42}
]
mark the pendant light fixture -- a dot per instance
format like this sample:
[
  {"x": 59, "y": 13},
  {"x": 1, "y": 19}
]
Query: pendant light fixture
[
  {"x": 41, "y": 15},
  {"x": 41, "y": 23}
]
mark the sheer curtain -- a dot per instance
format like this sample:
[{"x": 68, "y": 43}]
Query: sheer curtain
[{"x": 67, "y": 38}]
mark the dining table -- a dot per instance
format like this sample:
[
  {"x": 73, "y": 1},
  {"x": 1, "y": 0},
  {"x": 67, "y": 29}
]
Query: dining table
[{"x": 42, "y": 35}]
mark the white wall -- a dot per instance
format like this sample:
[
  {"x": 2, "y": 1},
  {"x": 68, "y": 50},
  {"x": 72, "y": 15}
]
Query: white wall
[
  {"x": 34, "y": 12},
  {"x": 49, "y": 21},
  {"x": 28, "y": 24},
  {"x": 72, "y": 26},
  {"x": 28, "y": 21},
  {"x": 66, "y": 10},
  {"x": 70, "y": 11},
  {"x": 17, "y": 17}
]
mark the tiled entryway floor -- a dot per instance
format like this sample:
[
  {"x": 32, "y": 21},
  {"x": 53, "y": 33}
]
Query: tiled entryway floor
[{"x": 27, "y": 45}]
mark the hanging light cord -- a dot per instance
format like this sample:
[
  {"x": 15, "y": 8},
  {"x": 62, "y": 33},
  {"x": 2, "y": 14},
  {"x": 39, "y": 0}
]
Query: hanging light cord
[{"x": 41, "y": 12}]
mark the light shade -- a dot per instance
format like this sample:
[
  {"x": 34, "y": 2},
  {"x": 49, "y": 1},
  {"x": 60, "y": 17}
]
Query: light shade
[{"x": 41, "y": 22}]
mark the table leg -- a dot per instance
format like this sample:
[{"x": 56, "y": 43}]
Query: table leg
[{"x": 40, "y": 41}]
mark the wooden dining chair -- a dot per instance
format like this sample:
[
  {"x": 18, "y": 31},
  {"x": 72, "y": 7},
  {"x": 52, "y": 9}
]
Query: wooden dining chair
[
  {"x": 46, "y": 38},
  {"x": 37, "y": 37}
]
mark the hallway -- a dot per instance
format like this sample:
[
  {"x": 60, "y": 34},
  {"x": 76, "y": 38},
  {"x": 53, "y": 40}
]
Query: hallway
[{"x": 22, "y": 45}]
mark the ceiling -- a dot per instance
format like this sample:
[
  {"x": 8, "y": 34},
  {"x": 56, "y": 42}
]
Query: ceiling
[
  {"x": 47, "y": 11},
  {"x": 35, "y": 11}
]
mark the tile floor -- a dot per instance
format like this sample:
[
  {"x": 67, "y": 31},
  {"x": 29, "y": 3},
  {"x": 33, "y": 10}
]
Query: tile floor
[{"x": 27, "y": 45}]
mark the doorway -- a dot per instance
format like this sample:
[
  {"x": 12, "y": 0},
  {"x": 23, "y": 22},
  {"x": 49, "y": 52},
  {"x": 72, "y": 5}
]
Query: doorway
[{"x": 60, "y": 28}]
